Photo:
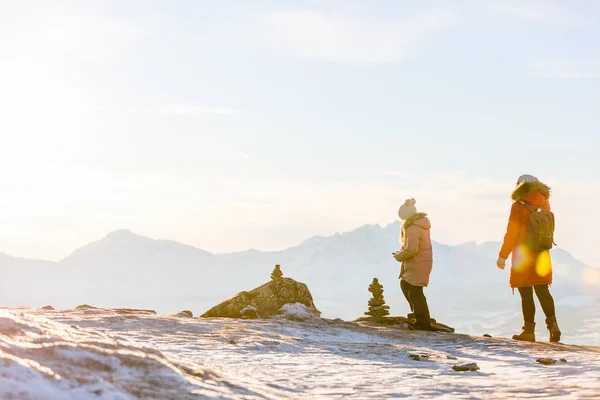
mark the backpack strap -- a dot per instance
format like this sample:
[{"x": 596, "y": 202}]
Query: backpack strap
[{"x": 528, "y": 206}]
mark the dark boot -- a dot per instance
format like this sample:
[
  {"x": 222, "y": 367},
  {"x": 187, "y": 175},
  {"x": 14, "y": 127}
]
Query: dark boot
[
  {"x": 553, "y": 328},
  {"x": 423, "y": 320},
  {"x": 528, "y": 333},
  {"x": 422, "y": 312}
]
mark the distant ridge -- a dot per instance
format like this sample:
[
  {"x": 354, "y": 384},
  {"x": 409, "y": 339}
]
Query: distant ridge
[{"x": 124, "y": 269}]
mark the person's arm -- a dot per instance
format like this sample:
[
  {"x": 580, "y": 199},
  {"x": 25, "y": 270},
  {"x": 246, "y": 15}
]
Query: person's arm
[
  {"x": 512, "y": 231},
  {"x": 412, "y": 245}
]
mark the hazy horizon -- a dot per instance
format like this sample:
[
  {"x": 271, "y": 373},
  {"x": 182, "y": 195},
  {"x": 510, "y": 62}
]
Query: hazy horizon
[
  {"x": 236, "y": 126},
  {"x": 124, "y": 232}
]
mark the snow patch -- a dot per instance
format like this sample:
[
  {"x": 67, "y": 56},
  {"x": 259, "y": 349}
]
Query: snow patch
[
  {"x": 248, "y": 309},
  {"x": 249, "y": 312},
  {"x": 297, "y": 311}
]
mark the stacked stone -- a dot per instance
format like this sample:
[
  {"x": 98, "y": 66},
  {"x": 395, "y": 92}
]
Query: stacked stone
[
  {"x": 377, "y": 307},
  {"x": 276, "y": 274}
]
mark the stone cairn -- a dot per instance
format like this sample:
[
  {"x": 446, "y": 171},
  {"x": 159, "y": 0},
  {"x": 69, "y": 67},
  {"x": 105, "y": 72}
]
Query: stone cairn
[
  {"x": 377, "y": 307},
  {"x": 276, "y": 274}
]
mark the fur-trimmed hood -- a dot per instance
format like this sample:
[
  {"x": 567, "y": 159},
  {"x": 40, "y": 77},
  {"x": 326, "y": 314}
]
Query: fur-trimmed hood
[
  {"x": 527, "y": 188},
  {"x": 419, "y": 219}
]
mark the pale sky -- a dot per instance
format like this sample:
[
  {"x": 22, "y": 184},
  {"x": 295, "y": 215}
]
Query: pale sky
[{"x": 230, "y": 125}]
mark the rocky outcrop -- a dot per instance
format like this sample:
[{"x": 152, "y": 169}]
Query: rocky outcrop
[
  {"x": 86, "y": 307},
  {"x": 184, "y": 314},
  {"x": 264, "y": 301},
  {"x": 400, "y": 322},
  {"x": 133, "y": 311},
  {"x": 125, "y": 311},
  {"x": 48, "y": 308}
]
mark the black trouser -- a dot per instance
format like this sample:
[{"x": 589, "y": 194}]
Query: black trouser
[
  {"x": 417, "y": 301},
  {"x": 546, "y": 301}
]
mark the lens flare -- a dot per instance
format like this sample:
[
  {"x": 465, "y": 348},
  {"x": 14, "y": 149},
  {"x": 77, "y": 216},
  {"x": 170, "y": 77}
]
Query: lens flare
[
  {"x": 543, "y": 264},
  {"x": 591, "y": 276},
  {"x": 522, "y": 258}
]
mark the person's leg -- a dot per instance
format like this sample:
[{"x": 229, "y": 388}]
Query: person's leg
[
  {"x": 405, "y": 286},
  {"x": 547, "y": 302},
  {"x": 421, "y": 309},
  {"x": 527, "y": 304},
  {"x": 528, "y": 307}
]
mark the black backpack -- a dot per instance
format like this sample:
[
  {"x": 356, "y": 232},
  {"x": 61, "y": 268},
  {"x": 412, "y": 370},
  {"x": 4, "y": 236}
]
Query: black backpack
[{"x": 540, "y": 232}]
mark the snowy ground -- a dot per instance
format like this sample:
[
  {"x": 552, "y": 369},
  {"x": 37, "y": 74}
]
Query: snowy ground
[
  {"x": 276, "y": 358},
  {"x": 45, "y": 360}
]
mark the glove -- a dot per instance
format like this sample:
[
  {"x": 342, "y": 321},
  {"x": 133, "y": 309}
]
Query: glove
[{"x": 501, "y": 262}]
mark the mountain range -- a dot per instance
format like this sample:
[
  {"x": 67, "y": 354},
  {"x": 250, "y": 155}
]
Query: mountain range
[{"x": 128, "y": 270}]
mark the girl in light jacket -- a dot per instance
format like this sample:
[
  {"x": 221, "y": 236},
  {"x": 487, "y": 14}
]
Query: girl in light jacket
[{"x": 416, "y": 257}]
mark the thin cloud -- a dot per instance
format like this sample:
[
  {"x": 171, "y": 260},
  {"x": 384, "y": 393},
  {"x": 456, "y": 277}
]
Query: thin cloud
[
  {"x": 351, "y": 39},
  {"x": 55, "y": 31},
  {"x": 567, "y": 69},
  {"x": 401, "y": 174},
  {"x": 193, "y": 110},
  {"x": 531, "y": 10},
  {"x": 172, "y": 109}
]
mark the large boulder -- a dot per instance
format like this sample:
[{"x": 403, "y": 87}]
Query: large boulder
[{"x": 264, "y": 301}]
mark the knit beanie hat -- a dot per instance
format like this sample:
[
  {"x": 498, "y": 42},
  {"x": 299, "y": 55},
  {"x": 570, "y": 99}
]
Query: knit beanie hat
[
  {"x": 526, "y": 179},
  {"x": 407, "y": 209}
]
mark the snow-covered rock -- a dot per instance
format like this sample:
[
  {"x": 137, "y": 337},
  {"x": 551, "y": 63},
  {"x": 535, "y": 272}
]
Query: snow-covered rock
[
  {"x": 297, "y": 311},
  {"x": 249, "y": 312}
]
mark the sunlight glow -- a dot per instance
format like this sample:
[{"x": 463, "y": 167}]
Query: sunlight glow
[
  {"x": 591, "y": 276},
  {"x": 543, "y": 264},
  {"x": 522, "y": 257}
]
